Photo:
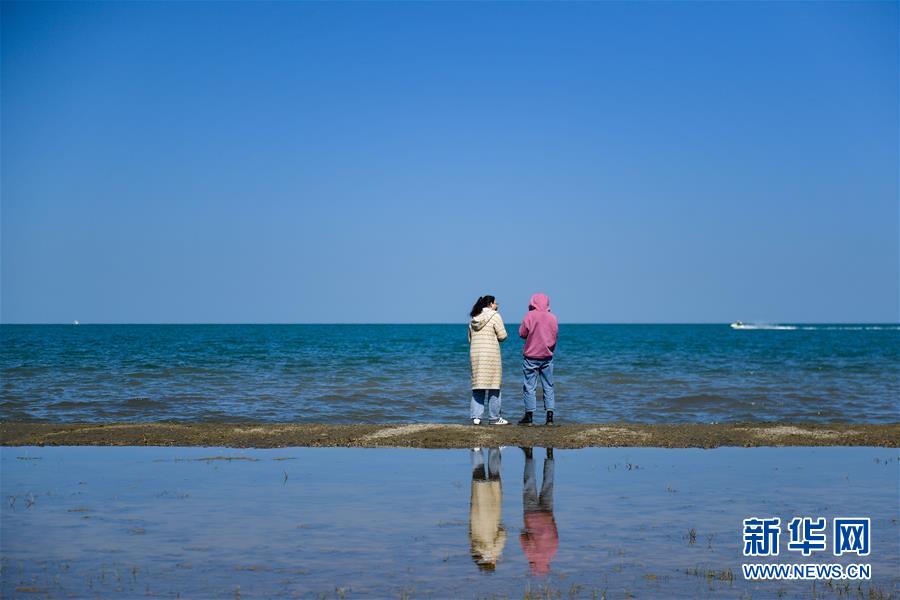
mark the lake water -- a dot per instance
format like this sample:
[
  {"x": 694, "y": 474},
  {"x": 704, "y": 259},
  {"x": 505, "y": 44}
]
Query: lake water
[
  {"x": 420, "y": 373},
  {"x": 402, "y": 523}
]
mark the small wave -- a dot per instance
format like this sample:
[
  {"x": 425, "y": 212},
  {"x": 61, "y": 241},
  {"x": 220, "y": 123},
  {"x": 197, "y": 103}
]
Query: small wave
[
  {"x": 67, "y": 404},
  {"x": 143, "y": 402}
]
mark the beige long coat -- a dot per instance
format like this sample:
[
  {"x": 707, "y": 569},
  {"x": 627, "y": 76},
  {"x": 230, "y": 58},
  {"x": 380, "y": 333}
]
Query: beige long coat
[
  {"x": 486, "y": 535},
  {"x": 486, "y": 331}
]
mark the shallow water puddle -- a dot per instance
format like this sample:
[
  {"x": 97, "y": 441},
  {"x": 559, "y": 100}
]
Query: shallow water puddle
[{"x": 341, "y": 522}]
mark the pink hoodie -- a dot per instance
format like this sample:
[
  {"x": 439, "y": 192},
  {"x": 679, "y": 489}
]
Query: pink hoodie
[
  {"x": 540, "y": 541},
  {"x": 539, "y": 328}
]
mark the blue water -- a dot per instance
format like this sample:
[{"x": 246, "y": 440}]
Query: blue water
[
  {"x": 420, "y": 373},
  {"x": 393, "y": 523}
]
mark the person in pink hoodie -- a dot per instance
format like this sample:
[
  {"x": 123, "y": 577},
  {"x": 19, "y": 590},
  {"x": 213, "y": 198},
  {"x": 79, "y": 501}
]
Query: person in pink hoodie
[
  {"x": 539, "y": 539},
  {"x": 540, "y": 330}
]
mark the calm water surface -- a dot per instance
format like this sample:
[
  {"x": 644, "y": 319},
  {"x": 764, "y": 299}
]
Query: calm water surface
[
  {"x": 388, "y": 523},
  {"x": 420, "y": 373}
]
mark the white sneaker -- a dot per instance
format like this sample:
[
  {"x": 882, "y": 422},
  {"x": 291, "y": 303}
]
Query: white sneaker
[
  {"x": 476, "y": 421},
  {"x": 500, "y": 421}
]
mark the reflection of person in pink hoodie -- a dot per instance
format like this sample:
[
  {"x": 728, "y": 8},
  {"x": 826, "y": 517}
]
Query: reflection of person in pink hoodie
[
  {"x": 540, "y": 540},
  {"x": 540, "y": 330}
]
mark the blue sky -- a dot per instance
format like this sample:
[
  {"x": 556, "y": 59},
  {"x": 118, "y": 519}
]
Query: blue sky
[{"x": 390, "y": 162}]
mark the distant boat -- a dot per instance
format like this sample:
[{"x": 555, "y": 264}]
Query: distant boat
[
  {"x": 742, "y": 325},
  {"x": 75, "y": 323}
]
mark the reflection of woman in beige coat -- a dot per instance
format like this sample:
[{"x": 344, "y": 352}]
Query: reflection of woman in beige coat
[
  {"x": 486, "y": 535},
  {"x": 486, "y": 331}
]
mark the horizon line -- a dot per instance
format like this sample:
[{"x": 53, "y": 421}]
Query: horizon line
[{"x": 79, "y": 323}]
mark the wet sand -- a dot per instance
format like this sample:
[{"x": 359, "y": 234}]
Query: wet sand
[{"x": 424, "y": 435}]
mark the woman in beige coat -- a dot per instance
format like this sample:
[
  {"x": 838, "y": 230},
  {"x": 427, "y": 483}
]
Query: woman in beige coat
[
  {"x": 486, "y": 331},
  {"x": 487, "y": 537}
]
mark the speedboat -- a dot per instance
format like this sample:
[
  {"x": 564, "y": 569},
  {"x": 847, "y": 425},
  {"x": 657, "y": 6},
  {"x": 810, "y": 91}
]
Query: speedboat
[{"x": 742, "y": 325}]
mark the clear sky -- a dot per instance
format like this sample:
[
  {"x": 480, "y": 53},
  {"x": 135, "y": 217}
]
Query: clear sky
[{"x": 390, "y": 162}]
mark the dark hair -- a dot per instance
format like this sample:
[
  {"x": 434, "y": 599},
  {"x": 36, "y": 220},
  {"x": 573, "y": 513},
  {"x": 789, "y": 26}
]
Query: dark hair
[{"x": 480, "y": 304}]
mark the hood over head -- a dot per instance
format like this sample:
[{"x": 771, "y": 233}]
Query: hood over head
[
  {"x": 481, "y": 319},
  {"x": 539, "y": 302}
]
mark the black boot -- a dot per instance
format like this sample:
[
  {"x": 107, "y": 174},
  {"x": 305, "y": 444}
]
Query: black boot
[
  {"x": 549, "y": 420},
  {"x": 527, "y": 420}
]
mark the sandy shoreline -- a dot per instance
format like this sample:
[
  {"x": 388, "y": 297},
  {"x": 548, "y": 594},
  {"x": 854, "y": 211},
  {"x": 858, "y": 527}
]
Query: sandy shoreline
[{"x": 425, "y": 435}]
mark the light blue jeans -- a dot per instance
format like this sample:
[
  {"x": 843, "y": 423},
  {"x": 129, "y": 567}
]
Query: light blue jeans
[
  {"x": 477, "y": 406},
  {"x": 532, "y": 368},
  {"x": 489, "y": 469},
  {"x": 530, "y": 499}
]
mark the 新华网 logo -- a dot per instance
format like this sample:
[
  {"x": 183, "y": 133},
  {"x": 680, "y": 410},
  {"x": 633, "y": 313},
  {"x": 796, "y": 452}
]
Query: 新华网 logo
[{"x": 806, "y": 536}]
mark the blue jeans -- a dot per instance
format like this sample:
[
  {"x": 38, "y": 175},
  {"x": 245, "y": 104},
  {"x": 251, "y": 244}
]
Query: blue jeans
[
  {"x": 532, "y": 367},
  {"x": 477, "y": 406},
  {"x": 486, "y": 470},
  {"x": 530, "y": 499}
]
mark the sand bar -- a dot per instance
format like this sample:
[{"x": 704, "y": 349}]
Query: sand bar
[{"x": 433, "y": 435}]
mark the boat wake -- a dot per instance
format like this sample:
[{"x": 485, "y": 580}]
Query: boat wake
[
  {"x": 765, "y": 326},
  {"x": 740, "y": 325}
]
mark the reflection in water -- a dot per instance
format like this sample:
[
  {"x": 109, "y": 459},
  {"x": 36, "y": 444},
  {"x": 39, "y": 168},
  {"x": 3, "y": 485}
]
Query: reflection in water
[
  {"x": 138, "y": 522},
  {"x": 486, "y": 536},
  {"x": 540, "y": 539}
]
